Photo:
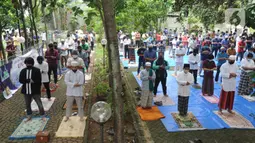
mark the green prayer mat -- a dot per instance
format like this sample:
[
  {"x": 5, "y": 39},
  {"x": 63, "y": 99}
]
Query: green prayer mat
[
  {"x": 28, "y": 130},
  {"x": 187, "y": 122}
]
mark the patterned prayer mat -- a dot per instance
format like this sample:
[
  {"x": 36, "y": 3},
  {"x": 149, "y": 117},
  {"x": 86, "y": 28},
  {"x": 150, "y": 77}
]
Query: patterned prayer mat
[
  {"x": 72, "y": 128},
  {"x": 187, "y": 123},
  {"x": 249, "y": 98},
  {"x": 166, "y": 101},
  {"x": 46, "y": 104},
  {"x": 212, "y": 99},
  {"x": 52, "y": 88},
  {"x": 234, "y": 120},
  {"x": 150, "y": 114},
  {"x": 28, "y": 130}
]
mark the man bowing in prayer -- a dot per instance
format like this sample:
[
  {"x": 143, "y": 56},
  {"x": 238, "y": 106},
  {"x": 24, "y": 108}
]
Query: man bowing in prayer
[
  {"x": 74, "y": 80},
  {"x": 228, "y": 73},
  {"x": 147, "y": 76}
]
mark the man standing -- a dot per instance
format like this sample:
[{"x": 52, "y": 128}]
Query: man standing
[
  {"x": 30, "y": 77},
  {"x": 44, "y": 68},
  {"x": 208, "y": 83},
  {"x": 137, "y": 39},
  {"x": 193, "y": 61},
  {"x": 221, "y": 58},
  {"x": 147, "y": 76},
  {"x": 63, "y": 54},
  {"x": 205, "y": 51},
  {"x": 180, "y": 52},
  {"x": 150, "y": 55},
  {"x": 52, "y": 58},
  {"x": 84, "y": 56},
  {"x": 77, "y": 59},
  {"x": 240, "y": 49},
  {"x": 141, "y": 61},
  {"x": 160, "y": 66},
  {"x": 184, "y": 80},
  {"x": 231, "y": 50},
  {"x": 70, "y": 44},
  {"x": 74, "y": 80},
  {"x": 228, "y": 73},
  {"x": 85, "y": 48}
]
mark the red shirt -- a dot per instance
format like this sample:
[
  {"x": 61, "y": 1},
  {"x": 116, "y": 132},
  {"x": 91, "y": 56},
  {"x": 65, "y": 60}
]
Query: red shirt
[
  {"x": 52, "y": 57},
  {"x": 241, "y": 46},
  {"x": 206, "y": 43},
  {"x": 158, "y": 37},
  {"x": 185, "y": 41}
]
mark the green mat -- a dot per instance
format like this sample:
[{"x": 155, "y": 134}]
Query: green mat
[{"x": 28, "y": 130}]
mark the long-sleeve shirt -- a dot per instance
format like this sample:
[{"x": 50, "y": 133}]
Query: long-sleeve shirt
[
  {"x": 52, "y": 57},
  {"x": 247, "y": 63},
  {"x": 144, "y": 75},
  {"x": 79, "y": 60},
  {"x": 72, "y": 78},
  {"x": 44, "y": 68},
  {"x": 63, "y": 48},
  {"x": 182, "y": 79},
  {"x": 193, "y": 61},
  {"x": 228, "y": 84},
  {"x": 70, "y": 43}
]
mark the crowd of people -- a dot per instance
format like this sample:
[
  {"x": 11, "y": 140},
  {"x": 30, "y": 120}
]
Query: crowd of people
[
  {"x": 73, "y": 53},
  {"x": 206, "y": 51}
]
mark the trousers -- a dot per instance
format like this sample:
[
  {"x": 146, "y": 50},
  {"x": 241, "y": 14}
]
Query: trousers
[
  {"x": 38, "y": 101},
  {"x": 69, "y": 105}
]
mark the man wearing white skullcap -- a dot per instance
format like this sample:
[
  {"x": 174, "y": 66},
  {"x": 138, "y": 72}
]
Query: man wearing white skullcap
[
  {"x": 74, "y": 80},
  {"x": 229, "y": 71},
  {"x": 147, "y": 76}
]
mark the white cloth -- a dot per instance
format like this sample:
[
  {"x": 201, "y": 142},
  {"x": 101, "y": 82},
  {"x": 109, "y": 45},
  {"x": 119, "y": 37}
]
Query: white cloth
[
  {"x": 246, "y": 63},
  {"x": 182, "y": 79},
  {"x": 70, "y": 43},
  {"x": 144, "y": 74},
  {"x": 45, "y": 68},
  {"x": 228, "y": 84},
  {"x": 179, "y": 59},
  {"x": 43, "y": 36},
  {"x": 193, "y": 61},
  {"x": 78, "y": 60},
  {"x": 133, "y": 35},
  {"x": 174, "y": 42},
  {"x": 63, "y": 47},
  {"x": 192, "y": 43},
  {"x": 126, "y": 42},
  {"x": 72, "y": 78}
]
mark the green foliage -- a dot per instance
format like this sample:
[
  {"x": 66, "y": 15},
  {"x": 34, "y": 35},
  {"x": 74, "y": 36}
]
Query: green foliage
[
  {"x": 7, "y": 14},
  {"x": 250, "y": 15}
]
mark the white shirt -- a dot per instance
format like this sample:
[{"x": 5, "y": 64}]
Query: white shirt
[
  {"x": 179, "y": 59},
  {"x": 192, "y": 43},
  {"x": 78, "y": 59},
  {"x": 193, "y": 61},
  {"x": 63, "y": 47},
  {"x": 182, "y": 79},
  {"x": 246, "y": 63},
  {"x": 45, "y": 68},
  {"x": 144, "y": 74},
  {"x": 127, "y": 42},
  {"x": 174, "y": 41},
  {"x": 228, "y": 84},
  {"x": 70, "y": 43},
  {"x": 71, "y": 79}
]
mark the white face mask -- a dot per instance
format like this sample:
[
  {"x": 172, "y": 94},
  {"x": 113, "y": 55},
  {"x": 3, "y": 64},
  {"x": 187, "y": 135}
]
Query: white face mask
[{"x": 75, "y": 56}]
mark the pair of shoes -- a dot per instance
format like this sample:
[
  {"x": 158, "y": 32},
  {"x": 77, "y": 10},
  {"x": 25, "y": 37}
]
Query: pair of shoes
[{"x": 158, "y": 103}]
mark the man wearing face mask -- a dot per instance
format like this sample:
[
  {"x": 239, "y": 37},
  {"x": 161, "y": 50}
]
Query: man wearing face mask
[
  {"x": 84, "y": 56},
  {"x": 160, "y": 66},
  {"x": 63, "y": 52},
  {"x": 194, "y": 59},
  {"x": 30, "y": 77},
  {"x": 150, "y": 55},
  {"x": 245, "y": 85},
  {"x": 184, "y": 80},
  {"x": 208, "y": 83},
  {"x": 180, "y": 52},
  {"x": 76, "y": 59},
  {"x": 43, "y": 66},
  {"x": 231, "y": 50},
  {"x": 222, "y": 57},
  {"x": 229, "y": 72},
  {"x": 74, "y": 80},
  {"x": 52, "y": 59}
]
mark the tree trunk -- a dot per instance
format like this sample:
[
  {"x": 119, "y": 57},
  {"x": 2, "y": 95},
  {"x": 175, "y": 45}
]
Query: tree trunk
[
  {"x": 17, "y": 15},
  {"x": 24, "y": 24},
  {"x": 110, "y": 27},
  {"x": 1, "y": 45},
  {"x": 33, "y": 20},
  {"x": 54, "y": 19},
  {"x": 31, "y": 30},
  {"x": 44, "y": 21}
]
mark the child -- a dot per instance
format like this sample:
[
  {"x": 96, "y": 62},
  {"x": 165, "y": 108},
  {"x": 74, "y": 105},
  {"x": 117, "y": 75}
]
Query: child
[
  {"x": 184, "y": 80},
  {"x": 147, "y": 76}
]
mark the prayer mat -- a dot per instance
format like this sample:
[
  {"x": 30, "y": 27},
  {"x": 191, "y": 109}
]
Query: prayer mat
[
  {"x": 46, "y": 104},
  {"x": 28, "y": 130},
  {"x": 212, "y": 99},
  {"x": 189, "y": 122},
  {"x": 72, "y": 128},
  {"x": 52, "y": 88},
  {"x": 150, "y": 114},
  {"x": 166, "y": 101},
  {"x": 87, "y": 76},
  {"x": 234, "y": 120},
  {"x": 249, "y": 98}
]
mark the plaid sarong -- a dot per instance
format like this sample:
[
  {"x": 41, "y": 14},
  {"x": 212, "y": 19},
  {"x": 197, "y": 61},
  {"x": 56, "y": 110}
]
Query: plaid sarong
[
  {"x": 245, "y": 85},
  {"x": 183, "y": 105}
]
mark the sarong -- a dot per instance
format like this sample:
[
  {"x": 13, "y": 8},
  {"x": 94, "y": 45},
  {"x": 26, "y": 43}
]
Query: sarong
[
  {"x": 226, "y": 100},
  {"x": 245, "y": 85},
  {"x": 183, "y": 105}
]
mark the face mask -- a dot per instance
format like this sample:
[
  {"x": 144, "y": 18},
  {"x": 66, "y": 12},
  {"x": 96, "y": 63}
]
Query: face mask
[
  {"x": 75, "y": 56},
  {"x": 40, "y": 62},
  {"x": 194, "y": 54},
  {"x": 231, "y": 62},
  {"x": 74, "y": 70},
  {"x": 29, "y": 67}
]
